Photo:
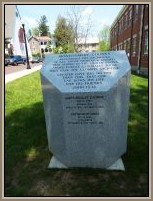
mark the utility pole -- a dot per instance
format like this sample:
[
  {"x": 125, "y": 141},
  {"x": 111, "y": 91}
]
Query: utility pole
[
  {"x": 28, "y": 64},
  {"x": 40, "y": 45}
]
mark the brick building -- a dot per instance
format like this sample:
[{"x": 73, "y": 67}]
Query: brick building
[{"x": 129, "y": 32}]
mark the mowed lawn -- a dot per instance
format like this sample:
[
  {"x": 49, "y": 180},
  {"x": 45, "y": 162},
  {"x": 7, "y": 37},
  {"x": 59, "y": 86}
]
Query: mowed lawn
[{"x": 27, "y": 156}]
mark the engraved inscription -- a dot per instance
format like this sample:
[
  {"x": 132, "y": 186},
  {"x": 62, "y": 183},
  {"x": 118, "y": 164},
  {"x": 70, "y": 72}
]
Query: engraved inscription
[
  {"x": 84, "y": 109},
  {"x": 84, "y": 71}
]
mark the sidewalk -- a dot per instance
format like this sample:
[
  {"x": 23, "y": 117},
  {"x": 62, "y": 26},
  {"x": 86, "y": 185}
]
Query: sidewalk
[{"x": 13, "y": 76}]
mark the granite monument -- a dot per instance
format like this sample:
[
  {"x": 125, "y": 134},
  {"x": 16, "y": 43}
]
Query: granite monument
[{"x": 86, "y": 103}]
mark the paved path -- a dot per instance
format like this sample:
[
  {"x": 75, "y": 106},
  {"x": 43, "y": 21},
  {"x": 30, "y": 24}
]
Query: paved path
[{"x": 15, "y": 75}]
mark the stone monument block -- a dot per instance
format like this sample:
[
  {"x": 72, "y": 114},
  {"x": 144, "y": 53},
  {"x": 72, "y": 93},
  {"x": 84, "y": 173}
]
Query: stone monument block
[{"x": 86, "y": 103}]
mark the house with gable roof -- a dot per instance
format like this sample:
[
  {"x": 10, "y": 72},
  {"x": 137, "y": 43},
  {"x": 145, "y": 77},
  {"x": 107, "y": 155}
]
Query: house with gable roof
[{"x": 41, "y": 44}]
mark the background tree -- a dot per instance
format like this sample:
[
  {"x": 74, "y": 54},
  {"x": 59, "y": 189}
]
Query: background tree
[
  {"x": 42, "y": 29},
  {"x": 29, "y": 33},
  {"x": 81, "y": 24},
  {"x": 42, "y": 26},
  {"x": 64, "y": 35},
  {"x": 35, "y": 31},
  {"x": 104, "y": 38}
]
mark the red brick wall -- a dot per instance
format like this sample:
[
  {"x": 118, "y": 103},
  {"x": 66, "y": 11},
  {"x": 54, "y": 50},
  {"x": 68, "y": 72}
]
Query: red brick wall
[
  {"x": 126, "y": 34},
  {"x": 144, "y": 58}
]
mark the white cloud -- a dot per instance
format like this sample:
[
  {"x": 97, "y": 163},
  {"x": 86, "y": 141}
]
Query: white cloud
[{"x": 87, "y": 11}]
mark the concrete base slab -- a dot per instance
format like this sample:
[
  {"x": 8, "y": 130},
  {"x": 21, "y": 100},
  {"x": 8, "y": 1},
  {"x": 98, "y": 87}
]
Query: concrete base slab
[
  {"x": 55, "y": 163},
  {"x": 118, "y": 165}
]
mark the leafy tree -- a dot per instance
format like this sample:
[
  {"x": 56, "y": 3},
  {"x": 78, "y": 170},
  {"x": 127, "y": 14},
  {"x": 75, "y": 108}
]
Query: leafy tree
[
  {"x": 29, "y": 33},
  {"x": 64, "y": 35},
  {"x": 35, "y": 31},
  {"x": 42, "y": 26},
  {"x": 103, "y": 46},
  {"x": 41, "y": 30},
  {"x": 104, "y": 36},
  {"x": 49, "y": 34}
]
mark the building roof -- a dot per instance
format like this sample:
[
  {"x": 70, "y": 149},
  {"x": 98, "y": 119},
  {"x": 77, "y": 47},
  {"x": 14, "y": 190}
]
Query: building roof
[
  {"x": 40, "y": 38},
  {"x": 43, "y": 38},
  {"x": 91, "y": 40}
]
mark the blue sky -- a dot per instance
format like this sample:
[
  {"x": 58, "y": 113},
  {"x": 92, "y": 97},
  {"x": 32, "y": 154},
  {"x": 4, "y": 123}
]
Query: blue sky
[{"x": 101, "y": 14}]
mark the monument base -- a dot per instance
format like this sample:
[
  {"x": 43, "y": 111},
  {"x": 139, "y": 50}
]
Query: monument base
[{"x": 55, "y": 163}]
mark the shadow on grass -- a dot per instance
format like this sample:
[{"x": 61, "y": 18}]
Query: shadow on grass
[
  {"x": 27, "y": 158},
  {"x": 138, "y": 134},
  {"x": 26, "y": 149},
  {"x": 139, "y": 75}
]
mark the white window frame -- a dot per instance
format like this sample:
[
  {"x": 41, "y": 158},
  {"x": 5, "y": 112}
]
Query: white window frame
[
  {"x": 128, "y": 43},
  {"x": 146, "y": 42},
  {"x": 130, "y": 15},
  {"x": 136, "y": 12},
  {"x": 124, "y": 45},
  {"x": 126, "y": 18},
  {"x": 134, "y": 39}
]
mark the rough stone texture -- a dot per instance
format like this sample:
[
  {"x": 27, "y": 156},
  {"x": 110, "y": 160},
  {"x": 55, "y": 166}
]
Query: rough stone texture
[{"x": 86, "y": 98}]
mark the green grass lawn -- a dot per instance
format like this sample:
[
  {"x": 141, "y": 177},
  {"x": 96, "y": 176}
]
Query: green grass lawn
[{"x": 27, "y": 156}]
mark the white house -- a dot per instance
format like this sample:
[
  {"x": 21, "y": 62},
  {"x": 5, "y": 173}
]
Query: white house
[{"x": 88, "y": 45}]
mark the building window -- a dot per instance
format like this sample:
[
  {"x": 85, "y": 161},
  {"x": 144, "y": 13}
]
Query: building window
[
  {"x": 45, "y": 43},
  {"x": 111, "y": 35},
  {"x": 134, "y": 46},
  {"x": 128, "y": 46},
  {"x": 146, "y": 42},
  {"x": 125, "y": 22},
  {"x": 124, "y": 45},
  {"x": 120, "y": 26},
  {"x": 114, "y": 31},
  {"x": 121, "y": 46},
  {"x": 136, "y": 10},
  {"x": 127, "y": 19},
  {"x": 118, "y": 46},
  {"x": 130, "y": 16},
  {"x": 41, "y": 43}
]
